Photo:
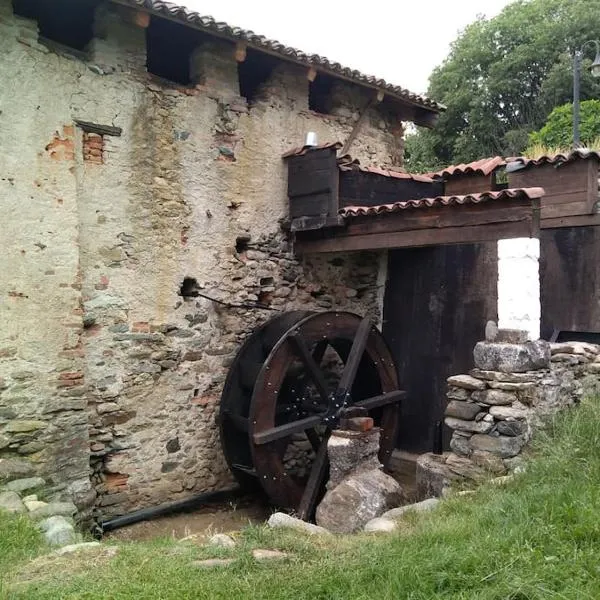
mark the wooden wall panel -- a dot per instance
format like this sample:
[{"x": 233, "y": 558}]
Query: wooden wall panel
[
  {"x": 570, "y": 279},
  {"x": 437, "y": 302}
]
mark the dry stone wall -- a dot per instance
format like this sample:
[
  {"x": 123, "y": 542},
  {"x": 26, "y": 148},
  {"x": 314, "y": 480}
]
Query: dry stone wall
[
  {"x": 494, "y": 411},
  {"x": 104, "y": 365}
]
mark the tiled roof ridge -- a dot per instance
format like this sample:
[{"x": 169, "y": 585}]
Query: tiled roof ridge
[
  {"x": 362, "y": 211},
  {"x": 189, "y": 17}
]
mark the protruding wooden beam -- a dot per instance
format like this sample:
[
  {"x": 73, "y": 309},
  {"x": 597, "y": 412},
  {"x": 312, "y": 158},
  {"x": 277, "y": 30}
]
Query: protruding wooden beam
[
  {"x": 240, "y": 51},
  {"x": 311, "y": 74},
  {"x": 380, "y": 96},
  {"x": 141, "y": 19}
]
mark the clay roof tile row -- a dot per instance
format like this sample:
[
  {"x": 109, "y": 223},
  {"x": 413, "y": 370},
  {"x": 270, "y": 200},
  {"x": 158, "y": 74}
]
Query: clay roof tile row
[
  {"x": 556, "y": 159},
  {"x": 364, "y": 211},
  {"x": 207, "y": 23},
  {"x": 484, "y": 166}
]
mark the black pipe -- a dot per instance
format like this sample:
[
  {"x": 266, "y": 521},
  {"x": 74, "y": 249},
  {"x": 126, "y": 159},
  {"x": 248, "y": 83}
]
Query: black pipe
[{"x": 146, "y": 514}]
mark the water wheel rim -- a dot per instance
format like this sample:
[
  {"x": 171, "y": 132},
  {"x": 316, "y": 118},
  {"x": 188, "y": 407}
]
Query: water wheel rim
[{"x": 283, "y": 489}]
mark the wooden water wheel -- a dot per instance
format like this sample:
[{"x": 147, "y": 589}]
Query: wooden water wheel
[{"x": 289, "y": 385}]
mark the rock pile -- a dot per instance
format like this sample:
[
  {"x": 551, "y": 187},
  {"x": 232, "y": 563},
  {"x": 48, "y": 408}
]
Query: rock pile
[
  {"x": 494, "y": 410},
  {"x": 358, "y": 490},
  {"x": 54, "y": 519}
]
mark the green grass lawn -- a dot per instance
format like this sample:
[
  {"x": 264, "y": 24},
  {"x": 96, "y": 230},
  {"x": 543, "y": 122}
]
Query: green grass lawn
[{"x": 538, "y": 537}]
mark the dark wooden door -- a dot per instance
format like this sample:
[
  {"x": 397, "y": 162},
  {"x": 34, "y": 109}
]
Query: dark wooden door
[{"x": 437, "y": 302}]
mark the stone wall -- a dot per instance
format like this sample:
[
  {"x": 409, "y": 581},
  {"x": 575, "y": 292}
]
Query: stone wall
[
  {"x": 101, "y": 359},
  {"x": 494, "y": 411}
]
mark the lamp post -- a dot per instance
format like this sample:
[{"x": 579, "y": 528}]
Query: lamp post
[{"x": 595, "y": 69}]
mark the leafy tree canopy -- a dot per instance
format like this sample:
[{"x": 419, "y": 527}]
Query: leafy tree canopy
[{"x": 504, "y": 76}]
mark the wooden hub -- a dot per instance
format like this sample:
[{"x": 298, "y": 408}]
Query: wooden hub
[{"x": 289, "y": 386}]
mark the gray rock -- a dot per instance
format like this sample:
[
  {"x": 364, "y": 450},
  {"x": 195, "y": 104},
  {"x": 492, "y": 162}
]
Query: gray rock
[
  {"x": 381, "y": 525},
  {"x": 491, "y": 331},
  {"x": 466, "y": 382},
  {"x": 462, "y": 410},
  {"x": 213, "y": 562},
  {"x": 73, "y": 548},
  {"x": 11, "y": 502},
  {"x": 356, "y": 500},
  {"x": 346, "y": 450},
  {"x": 511, "y": 387},
  {"x": 423, "y": 506},
  {"x": 471, "y": 426},
  {"x": 25, "y": 485},
  {"x": 502, "y": 446},
  {"x": 58, "y": 531},
  {"x": 488, "y": 461},
  {"x": 63, "y": 509},
  {"x": 34, "y": 504},
  {"x": 14, "y": 468},
  {"x": 511, "y": 428},
  {"x": 494, "y": 397},
  {"x": 280, "y": 520},
  {"x": 528, "y": 377},
  {"x": 457, "y": 393},
  {"x": 465, "y": 467},
  {"x": 516, "y": 411},
  {"x": 511, "y": 336},
  {"x": 432, "y": 475},
  {"x": 460, "y": 445},
  {"x": 221, "y": 540},
  {"x": 512, "y": 358},
  {"x": 4, "y": 442},
  {"x": 261, "y": 555}
]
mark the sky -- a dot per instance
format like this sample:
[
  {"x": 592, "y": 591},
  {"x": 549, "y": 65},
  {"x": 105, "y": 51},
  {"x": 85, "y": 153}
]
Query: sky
[{"x": 398, "y": 40}]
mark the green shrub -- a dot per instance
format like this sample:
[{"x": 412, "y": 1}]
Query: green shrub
[{"x": 558, "y": 130}]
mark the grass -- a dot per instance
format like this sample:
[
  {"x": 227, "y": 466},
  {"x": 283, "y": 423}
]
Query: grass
[
  {"x": 537, "y": 150},
  {"x": 536, "y": 538}
]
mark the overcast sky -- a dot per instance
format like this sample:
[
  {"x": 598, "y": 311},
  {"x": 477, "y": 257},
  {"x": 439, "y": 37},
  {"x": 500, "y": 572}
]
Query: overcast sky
[{"x": 398, "y": 40}]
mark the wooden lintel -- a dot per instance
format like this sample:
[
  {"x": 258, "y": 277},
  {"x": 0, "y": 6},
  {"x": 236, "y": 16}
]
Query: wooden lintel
[
  {"x": 571, "y": 221},
  {"x": 380, "y": 95},
  {"x": 99, "y": 129},
  {"x": 311, "y": 74},
  {"x": 240, "y": 51},
  {"x": 141, "y": 19},
  {"x": 415, "y": 239}
]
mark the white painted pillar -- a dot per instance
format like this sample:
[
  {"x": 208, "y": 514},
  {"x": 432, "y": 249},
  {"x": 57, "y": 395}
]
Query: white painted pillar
[{"x": 519, "y": 285}]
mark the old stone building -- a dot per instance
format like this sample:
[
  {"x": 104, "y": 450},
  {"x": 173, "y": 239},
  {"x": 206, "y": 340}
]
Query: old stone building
[{"x": 140, "y": 171}]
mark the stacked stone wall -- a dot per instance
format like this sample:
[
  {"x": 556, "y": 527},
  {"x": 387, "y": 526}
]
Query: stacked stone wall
[
  {"x": 494, "y": 411},
  {"x": 107, "y": 373}
]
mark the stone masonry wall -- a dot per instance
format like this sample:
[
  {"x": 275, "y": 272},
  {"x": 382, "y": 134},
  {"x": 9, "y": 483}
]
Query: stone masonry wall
[
  {"x": 494, "y": 411},
  {"x": 103, "y": 364}
]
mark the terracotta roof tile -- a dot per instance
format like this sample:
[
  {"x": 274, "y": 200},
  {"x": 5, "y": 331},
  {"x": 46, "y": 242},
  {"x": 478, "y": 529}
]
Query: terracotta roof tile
[
  {"x": 523, "y": 162},
  {"x": 363, "y": 211},
  {"x": 484, "y": 166},
  {"x": 207, "y": 23}
]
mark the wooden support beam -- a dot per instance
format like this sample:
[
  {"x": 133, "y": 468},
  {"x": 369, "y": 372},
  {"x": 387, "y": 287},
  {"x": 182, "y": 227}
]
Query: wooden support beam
[
  {"x": 418, "y": 238},
  {"x": 141, "y": 19},
  {"x": 240, "y": 51},
  {"x": 311, "y": 74}
]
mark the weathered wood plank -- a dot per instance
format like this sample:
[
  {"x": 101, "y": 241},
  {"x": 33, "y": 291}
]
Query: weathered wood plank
[
  {"x": 571, "y": 221},
  {"x": 418, "y": 238}
]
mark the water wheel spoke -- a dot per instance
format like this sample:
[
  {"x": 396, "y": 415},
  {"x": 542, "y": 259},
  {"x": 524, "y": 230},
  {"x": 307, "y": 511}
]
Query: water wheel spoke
[
  {"x": 315, "y": 481},
  {"x": 282, "y": 431},
  {"x": 354, "y": 357},
  {"x": 382, "y": 400},
  {"x": 312, "y": 367}
]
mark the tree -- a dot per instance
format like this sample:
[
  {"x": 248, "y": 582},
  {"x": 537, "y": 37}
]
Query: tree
[
  {"x": 504, "y": 76},
  {"x": 558, "y": 129}
]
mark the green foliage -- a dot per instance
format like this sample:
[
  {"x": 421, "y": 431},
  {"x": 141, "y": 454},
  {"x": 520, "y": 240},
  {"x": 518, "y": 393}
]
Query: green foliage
[
  {"x": 536, "y": 538},
  {"x": 558, "y": 129},
  {"x": 505, "y": 75}
]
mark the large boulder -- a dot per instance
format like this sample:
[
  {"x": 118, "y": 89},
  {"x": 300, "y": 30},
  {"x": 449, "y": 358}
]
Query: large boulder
[
  {"x": 360, "y": 497},
  {"x": 512, "y": 358}
]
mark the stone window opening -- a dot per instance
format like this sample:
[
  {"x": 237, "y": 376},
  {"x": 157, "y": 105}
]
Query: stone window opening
[
  {"x": 62, "y": 24},
  {"x": 320, "y": 98},
  {"x": 253, "y": 72},
  {"x": 242, "y": 244},
  {"x": 169, "y": 48}
]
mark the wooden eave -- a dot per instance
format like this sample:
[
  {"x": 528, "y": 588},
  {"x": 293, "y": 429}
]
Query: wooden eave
[{"x": 490, "y": 220}]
